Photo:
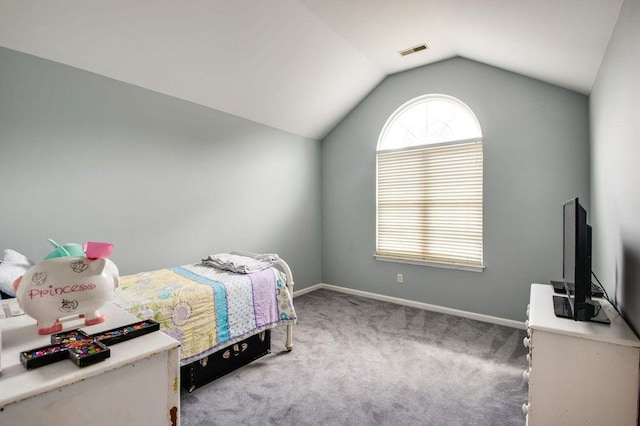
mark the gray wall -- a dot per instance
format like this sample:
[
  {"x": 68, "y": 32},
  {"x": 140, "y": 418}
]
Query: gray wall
[
  {"x": 615, "y": 184},
  {"x": 86, "y": 158},
  {"x": 83, "y": 157},
  {"x": 536, "y": 157}
]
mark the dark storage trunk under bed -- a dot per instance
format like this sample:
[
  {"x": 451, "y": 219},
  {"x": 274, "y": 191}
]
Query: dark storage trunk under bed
[{"x": 226, "y": 360}]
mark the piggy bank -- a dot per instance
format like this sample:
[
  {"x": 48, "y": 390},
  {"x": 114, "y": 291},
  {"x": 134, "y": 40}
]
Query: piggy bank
[{"x": 66, "y": 286}]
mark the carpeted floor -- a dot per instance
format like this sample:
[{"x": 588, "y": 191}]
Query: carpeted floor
[{"x": 359, "y": 361}]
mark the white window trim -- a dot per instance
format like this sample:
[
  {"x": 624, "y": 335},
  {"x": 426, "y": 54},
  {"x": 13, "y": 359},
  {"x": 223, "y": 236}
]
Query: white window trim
[
  {"x": 460, "y": 267},
  {"x": 413, "y": 261},
  {"x": 407, "y": 105},
  {"x": 408, "y": 148}
]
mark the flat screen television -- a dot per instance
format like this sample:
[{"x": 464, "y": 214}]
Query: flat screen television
[{"x": 576, "y": 267}]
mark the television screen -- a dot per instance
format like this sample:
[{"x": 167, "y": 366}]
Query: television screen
[
  {"x": 576, "y": 267},
  {"x": 569, "y": 244}
]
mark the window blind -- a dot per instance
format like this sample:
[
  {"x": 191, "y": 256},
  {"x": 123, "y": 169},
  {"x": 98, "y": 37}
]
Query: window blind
[{"x": 430, "y": 204}]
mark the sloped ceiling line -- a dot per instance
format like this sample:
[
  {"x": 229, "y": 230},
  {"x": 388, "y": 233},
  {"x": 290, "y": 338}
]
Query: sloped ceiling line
[{"x": 302, "y": 65}]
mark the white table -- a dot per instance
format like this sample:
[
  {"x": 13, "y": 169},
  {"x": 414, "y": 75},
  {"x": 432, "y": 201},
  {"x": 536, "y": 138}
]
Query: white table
[
  {"x": 138, "y": 385},
  {"x": 579, "y": 372}
]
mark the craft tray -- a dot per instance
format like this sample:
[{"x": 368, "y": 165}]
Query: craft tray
[
  {"x": 69, "y": 336},
  {"x": 120, "y": 334},
  {"x": 44, "y": 355},
  {"x": 89, "y": 354},
  {"x": 82, "y": 348},
  {"x": 74, "y": 344}
]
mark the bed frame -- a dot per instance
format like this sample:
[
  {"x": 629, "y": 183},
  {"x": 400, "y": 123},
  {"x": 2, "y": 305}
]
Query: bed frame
[
  {"x": 236, "y": 355},
  {"x": 284, "y": 267}
]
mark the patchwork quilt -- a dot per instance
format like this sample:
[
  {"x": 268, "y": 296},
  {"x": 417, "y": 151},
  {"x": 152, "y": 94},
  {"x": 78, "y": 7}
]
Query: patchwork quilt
[{"x": 207, "y": 309}]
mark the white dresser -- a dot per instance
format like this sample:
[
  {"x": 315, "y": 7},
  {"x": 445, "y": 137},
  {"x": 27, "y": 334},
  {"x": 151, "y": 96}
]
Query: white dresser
[
  {"x": 137, "y": 385},
  {"x": 580, "y": 373}
]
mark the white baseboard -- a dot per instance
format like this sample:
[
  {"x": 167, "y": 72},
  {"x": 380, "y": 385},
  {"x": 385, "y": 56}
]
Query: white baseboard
[
  {"x": 308, "y": 290},
  {"x": 413, "y": 304}
]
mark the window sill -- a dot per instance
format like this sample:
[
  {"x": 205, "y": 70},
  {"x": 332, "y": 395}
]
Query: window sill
[{"x": 428, "y": 263}]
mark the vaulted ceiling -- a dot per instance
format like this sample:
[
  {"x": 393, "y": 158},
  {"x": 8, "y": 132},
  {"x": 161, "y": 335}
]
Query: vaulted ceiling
[{"x": 302, "y": 65}]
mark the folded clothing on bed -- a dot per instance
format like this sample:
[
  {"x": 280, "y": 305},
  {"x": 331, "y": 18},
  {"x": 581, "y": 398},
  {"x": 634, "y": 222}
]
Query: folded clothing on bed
[{"x": 240, "y": 264}]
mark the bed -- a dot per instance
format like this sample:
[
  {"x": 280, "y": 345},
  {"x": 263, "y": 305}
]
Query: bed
[{"x": 221, "y": 310}]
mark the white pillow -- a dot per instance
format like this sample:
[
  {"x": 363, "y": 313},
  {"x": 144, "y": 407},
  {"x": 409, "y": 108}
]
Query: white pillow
[{"x": 13, "y": 266}]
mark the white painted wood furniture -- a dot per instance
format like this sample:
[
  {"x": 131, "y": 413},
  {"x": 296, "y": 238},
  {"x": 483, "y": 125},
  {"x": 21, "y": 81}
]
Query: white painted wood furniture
[
  {"x": 137, "y": 385},
  {"x": 579, "y": 372}
]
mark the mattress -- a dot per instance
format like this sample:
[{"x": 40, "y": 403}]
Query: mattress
[{"x": 207, "y": 309}]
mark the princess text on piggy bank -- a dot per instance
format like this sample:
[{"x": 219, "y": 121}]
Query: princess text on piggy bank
[{"x": 66, "y": 286}]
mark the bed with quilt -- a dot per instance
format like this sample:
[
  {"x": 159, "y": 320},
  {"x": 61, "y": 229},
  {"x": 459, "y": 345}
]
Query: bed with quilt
[{"x": 221, "y": 310}]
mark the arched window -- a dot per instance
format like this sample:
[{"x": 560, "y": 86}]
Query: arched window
[{"x": 429, "y": 184}]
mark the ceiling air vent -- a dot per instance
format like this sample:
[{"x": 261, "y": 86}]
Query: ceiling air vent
[{"x": 414, "y": 49}]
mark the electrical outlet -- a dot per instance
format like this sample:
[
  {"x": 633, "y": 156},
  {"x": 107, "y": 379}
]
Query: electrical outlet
[{"x": 399, "y": 279}]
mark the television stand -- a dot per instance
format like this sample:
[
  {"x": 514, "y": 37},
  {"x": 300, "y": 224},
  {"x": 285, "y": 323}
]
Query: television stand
[
  {"x": 562, "y": 309},
  {"x": 579, "y": 372}
]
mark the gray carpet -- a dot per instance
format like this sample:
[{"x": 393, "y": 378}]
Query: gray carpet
[{"x": 358, "y": 361}]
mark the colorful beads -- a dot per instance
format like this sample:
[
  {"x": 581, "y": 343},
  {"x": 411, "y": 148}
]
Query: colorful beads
[{"x": 82, "y": 348}]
